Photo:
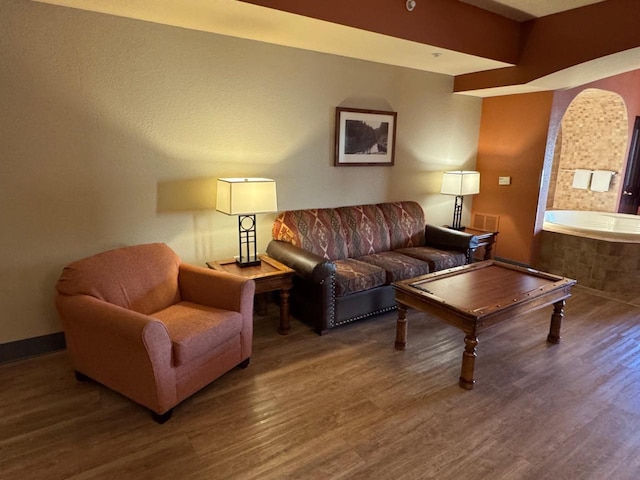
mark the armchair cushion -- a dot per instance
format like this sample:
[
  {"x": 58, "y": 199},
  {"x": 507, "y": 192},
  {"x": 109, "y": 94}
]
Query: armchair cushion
[
  {"x": 196, "y": 329},
  {"x": 143, "y": 278}
]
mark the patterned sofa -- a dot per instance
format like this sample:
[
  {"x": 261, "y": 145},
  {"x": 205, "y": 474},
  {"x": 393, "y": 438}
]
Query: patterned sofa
[{"x": 346, "y": 258}]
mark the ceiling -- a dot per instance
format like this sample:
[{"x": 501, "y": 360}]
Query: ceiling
[
  {"x": 523, "y": 10},
  {"x": 249, "y": 21}
]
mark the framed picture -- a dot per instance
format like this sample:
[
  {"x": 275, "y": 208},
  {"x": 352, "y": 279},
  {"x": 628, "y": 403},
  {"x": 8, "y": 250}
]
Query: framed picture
[{"x": 365, "y": 137}]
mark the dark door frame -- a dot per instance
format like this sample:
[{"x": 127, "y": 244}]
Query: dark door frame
[{"x": 630, "y": 198}]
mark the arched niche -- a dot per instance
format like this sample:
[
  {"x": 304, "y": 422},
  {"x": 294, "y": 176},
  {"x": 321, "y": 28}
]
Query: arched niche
[{"x": 593, "y": 135}]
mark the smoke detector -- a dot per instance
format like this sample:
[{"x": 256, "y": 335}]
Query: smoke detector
[{"x": 411, "y": 4}]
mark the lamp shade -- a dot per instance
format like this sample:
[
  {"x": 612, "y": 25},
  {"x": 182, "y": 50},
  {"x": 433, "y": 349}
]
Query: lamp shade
[
  {"x": 460, "y": 182},
  {"x": 241, "y": 196}
]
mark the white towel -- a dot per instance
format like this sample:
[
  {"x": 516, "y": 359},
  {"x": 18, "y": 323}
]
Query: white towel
[
  {"x": 581, "y": 178},
  {"x": 601, "y": 180}
]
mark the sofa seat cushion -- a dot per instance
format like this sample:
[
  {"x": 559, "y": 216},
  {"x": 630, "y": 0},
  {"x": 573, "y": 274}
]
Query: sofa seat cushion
[
  {"x": 353, "y": 276},
  {"x": 397, "y": 266},
  {"x": 437, "y": 259},
  {"x": 194, "y": 331}
]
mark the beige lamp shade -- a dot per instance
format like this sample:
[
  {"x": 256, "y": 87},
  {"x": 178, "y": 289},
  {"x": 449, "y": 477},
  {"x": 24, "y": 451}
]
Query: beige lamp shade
[
  {"x": 460, "y": 182},
  {"x": 241, "y": 196}
]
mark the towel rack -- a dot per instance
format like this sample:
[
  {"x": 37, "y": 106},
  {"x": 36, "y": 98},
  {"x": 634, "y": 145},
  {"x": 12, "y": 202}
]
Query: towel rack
[{"x": 574, "y": 169}]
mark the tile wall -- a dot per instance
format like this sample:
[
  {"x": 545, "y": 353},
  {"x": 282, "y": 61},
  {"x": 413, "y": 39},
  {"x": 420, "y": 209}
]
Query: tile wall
[
  {"x": 598, "y": 264},
  {"x": 593, "y": 136}
]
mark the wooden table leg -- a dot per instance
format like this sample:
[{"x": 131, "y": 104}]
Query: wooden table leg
[
  {"x": 556, "y": 322},
  {"x": 468, "y": 362},
  {"x": 284, "y": 327},
  {"x": 260, "y": 304},
  {"x": 401, "y": 328}
]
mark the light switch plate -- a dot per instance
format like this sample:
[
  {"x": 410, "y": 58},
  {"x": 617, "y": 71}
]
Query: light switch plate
[{"x": 504, "y": 180}]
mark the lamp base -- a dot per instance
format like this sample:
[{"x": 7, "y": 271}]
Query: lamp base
[
  {"x": 457, "y": 214},
  {"x": 248, "y": 262},
  {"x": 248, "y": 252}
]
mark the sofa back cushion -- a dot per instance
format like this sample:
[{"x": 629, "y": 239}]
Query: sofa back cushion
[
  {"x": 406, "y": 224},
  {"x": 143, "y": 278},
  {"x": 366, "y": 228},
  {"x": 317, "y": 230}
]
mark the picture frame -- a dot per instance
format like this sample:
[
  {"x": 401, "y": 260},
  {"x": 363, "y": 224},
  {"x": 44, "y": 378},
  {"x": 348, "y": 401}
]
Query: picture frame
[{"x": 365, "y": 137}]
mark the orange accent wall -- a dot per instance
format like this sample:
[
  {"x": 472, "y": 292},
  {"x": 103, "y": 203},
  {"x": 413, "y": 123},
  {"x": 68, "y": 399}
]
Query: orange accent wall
[{"x": 512, "y": 142}]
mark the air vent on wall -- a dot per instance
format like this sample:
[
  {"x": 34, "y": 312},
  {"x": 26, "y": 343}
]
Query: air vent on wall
[{"x": 485, "y": 222}]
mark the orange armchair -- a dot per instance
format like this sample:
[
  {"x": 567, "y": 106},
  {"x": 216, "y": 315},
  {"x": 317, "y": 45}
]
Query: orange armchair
[{"x": 141, "y": 322}]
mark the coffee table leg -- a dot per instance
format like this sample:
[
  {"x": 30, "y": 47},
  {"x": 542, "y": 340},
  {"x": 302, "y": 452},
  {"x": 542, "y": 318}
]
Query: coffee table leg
[
  {"x": 556, "y": 322},
  {"x": 283, "y": 328},
  {"x": 468, "y": 362},
  {"x": 401, "y": 328}
]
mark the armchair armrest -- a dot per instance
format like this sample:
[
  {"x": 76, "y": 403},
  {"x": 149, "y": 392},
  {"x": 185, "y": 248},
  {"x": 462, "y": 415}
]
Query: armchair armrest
[
  {"x": 216, "y": 289},
  {"x": 442, "y": 237},
  {"x": 308, "y": 265},
  {"x": 125, "y": 350},
  {"x": 88, "y": 316}
]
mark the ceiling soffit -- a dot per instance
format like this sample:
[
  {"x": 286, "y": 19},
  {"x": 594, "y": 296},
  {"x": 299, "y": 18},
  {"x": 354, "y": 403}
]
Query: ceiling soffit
[
  {"x": 445, "y": 24},
  {"x": 487, "y": 53},
  {"x": 580, "y": 45}
]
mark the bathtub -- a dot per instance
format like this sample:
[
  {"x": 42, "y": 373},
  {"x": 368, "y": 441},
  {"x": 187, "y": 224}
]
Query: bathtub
[
  {"x": 600, "y": 250},
  {"x": 614, "y": 227}
]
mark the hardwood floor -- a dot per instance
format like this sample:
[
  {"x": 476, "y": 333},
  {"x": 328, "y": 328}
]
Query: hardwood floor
[{"x": 350, "y": 406}]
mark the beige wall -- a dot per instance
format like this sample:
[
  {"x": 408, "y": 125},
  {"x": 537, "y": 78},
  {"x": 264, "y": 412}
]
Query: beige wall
[{"x": 99, "y": 114}]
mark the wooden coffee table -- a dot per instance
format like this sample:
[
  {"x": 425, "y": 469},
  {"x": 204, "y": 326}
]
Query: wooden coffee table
[
  {"x": 269, "y": 276},
  {"x": 476, "y": 296}
]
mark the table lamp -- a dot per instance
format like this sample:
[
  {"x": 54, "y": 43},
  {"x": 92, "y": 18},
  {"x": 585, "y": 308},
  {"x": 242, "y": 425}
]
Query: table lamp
[
  {"x": 460, "y": 183},
  {"x": 245, "y": 197}
]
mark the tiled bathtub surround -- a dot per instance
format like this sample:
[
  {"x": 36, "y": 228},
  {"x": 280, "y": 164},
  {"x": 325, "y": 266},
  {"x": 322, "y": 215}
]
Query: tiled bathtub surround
[
  {"x": 594, "y": 137},
  {"x": 609, "y": 266}
]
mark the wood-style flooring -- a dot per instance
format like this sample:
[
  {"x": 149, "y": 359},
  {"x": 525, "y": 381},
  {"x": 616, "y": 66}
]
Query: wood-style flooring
[{"x": 349, "y": 406}]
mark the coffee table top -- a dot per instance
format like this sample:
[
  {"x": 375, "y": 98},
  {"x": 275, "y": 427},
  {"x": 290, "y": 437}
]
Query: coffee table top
[{"x": 482, "y": 289}]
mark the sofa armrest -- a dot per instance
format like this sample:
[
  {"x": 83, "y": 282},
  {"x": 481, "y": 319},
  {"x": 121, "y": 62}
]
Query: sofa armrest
[
  {"x": 447, "y": 238},
  {"x": 212, "y": 288},
  {"x": 308, "y": 265}
]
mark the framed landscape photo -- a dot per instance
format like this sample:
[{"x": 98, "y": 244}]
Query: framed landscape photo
[{"x": 365, "y": 137}]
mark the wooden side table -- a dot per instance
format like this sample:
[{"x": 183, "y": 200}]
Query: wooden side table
[
  {"x": 269, "y": 276},
  {"x": 485, "y": 239}
]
